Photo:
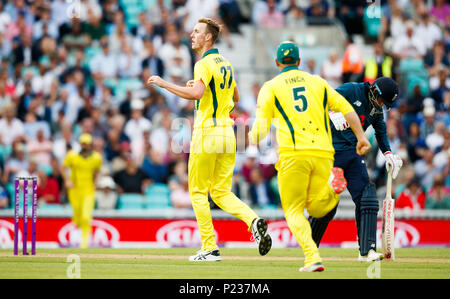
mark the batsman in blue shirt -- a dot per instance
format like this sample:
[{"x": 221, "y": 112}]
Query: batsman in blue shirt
[{"x": 367, "y": 100}]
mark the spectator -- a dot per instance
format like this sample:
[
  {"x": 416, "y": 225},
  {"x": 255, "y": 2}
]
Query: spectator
[
  {"x": 435, "y": 140},
  {"x": 11, "y": 127},
  {"x": 65, "y": 143},
  {"x": 178, "y": 184},
  {"x": 273, "y": 18},
  {"x": 412, "y": 198},
  {"x": 427, "y": 127},
  {"x": 252, "y": 162},
  {"x": 48, "y": 191},
  {"x": 426, "y": 170},
  {"x": 135, "y": 127},
  {"x": 351, "y": 15},
  {"x": 441, "y": 12},
  {"x": 150, "y": 60},
  {"x": 154, "y": 166},
  {"x": 392, "y": 22},
  {"x": 230, "y": 14},
  {"x": 311, "y": 66},
  {"x": 441, "y": 159},
  {"x": 174, "y": 102},
  {"x": 396, "y": 119},
  {"x": 105, "y": 62},
  {"x": 94, "y": 27},
  {"x": 59, "y": 9},
  {"x": 161, "y": 135},
  {"x": 352, "y": 63},
  {"x": 40, "y": 148},
  {"x": 381, "y": 65},
  {"x": 405, "y": 175},
  {"x": 24, "y": 54},
  {"x": 5, "y": 97},
  {"x": 5, "y": 152},
  {"x": 17, "y": 164},
  {"x": 439, "y": 194},
  {"x": 118, "y": 163},
  {"x": 119, "y": 34},
  {"x": 295, "y": 17},
  {"x": 427, "y": 31},
  {"x": 76, "y": 39},
  {"x": 319, "y": 9},
  {"x": 129, "y": 64},
  {"x": 45, "y": 24},
  {"x": 173, "y": 49},
  {"x": 131, "y": 179},
  {"x": 4, "y": 198},
  {"x": 32, "y": 125},
  {"x": 260, "y": 191},
  {"x": 155, "y": 11},
  {"x": 196, "y": 9},
  {"x": 415, "y": 144},
  {"x": 394, "y": 141},
  {"x": 439, "y": 85},
  {"x": 248, "y": 102},
  {"x": 5, "y": 18},
  {"x": 106, "y": 195},
  {"x": 332, "y": 69},
  {"x": 20, "y": 27},
  {"x": 409, "y": 45},
  {"x": 113, "y": 143}
]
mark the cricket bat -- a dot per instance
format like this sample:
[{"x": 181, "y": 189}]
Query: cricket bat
[{"x": 387, "y": 229}]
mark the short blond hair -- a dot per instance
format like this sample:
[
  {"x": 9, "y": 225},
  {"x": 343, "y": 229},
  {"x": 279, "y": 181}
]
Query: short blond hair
[{"x": 212, "y": 27}]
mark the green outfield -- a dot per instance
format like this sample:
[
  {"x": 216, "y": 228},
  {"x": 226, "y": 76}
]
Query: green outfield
[{"x": 236, "y": 264}]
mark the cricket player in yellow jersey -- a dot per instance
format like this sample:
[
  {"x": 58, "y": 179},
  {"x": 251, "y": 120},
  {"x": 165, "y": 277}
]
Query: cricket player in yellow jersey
[
  {"x": 213, "y": 145},
  {"x": 79, "y": 173},
  {"x": 298, "y": 105}
]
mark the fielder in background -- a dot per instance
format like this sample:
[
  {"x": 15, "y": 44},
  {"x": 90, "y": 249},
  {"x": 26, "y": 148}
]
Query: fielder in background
[
  {"x": 213, "y": 146},
  {"x": 367, "y": 100},
  {"x": 297, "y": 103},
  {"x": 79, "y": 173}
]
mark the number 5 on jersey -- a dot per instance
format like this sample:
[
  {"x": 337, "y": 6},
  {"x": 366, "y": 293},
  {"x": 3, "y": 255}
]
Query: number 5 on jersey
[{"x": 299, "y": 96}]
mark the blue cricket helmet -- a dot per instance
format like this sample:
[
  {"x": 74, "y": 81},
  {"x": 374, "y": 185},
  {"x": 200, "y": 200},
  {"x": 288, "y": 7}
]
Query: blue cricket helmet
[{"x": 387, "y": 89}]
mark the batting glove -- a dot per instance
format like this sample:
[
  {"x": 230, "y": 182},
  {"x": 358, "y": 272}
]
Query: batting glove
[
  {"x": 338, "y": 120},
  {"x": 394, "y": 163}
]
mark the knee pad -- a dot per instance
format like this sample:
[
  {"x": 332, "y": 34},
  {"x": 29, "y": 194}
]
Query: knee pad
[{"x": 369, "y": 200}]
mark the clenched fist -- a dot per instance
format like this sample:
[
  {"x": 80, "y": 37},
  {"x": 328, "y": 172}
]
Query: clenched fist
[{"x": 156, "y": 80}]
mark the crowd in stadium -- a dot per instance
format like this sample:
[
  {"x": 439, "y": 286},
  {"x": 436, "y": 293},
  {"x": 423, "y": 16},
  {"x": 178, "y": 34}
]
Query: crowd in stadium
[{"x": 73, "y": 67}]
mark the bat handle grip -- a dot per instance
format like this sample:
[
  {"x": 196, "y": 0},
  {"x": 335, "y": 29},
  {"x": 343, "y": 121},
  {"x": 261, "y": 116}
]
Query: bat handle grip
[{"x": 389, "y": 182}]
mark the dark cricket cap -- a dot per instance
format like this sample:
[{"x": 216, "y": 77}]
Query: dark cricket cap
[{"x": 288, "y": 53}]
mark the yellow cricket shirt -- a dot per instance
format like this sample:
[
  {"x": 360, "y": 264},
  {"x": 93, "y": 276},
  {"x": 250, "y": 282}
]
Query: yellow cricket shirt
[
  {"x": 214, "y": 108},
  {"x": 82, "y": 169},
  {"x": 298, "y": 105}
]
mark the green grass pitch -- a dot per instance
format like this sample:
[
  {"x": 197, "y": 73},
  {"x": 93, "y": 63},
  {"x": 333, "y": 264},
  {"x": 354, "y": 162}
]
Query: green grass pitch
[{"x": 236, "y": 264}]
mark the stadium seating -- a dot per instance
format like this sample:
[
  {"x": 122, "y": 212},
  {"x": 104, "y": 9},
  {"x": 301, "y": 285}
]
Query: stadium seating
[
  {"x": 413, "y": 73},
  {"x": 131, "y": 202},
  {"x": 157, "y": 196}
]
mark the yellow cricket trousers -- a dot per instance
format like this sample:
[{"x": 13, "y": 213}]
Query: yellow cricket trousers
[
  {"x": 303, "y": 184},
  {"x": 83, "y": 203},
  {"x": 210, "y": 169}
]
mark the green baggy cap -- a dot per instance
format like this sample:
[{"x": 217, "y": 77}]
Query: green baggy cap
[{"x": 288, "y": 53}]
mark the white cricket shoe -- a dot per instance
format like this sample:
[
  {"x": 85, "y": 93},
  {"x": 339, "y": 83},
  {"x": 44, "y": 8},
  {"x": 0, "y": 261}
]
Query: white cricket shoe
[
  {"x": 372, "y": 256},
  {"x": 206, "y": 256},
  {"x": 317, "y": 267},
  {"x": 260, "y": 235}
]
